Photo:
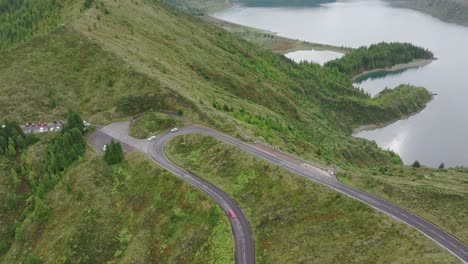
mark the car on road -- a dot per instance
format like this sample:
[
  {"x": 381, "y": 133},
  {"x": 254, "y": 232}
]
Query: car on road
[
  {"x": 39, "y": 124},
  {"x": 51, "y": 129},
  {"x": 41, "y": 129},
  {"x": 44, "y": 124},
  {"x": 231, "y": 214},
  {"x": 104, "y": 148},
  {"x": 33, "y": 124},
  {"x": 57, "y": 128},
  {"x": 28, "y": 124},
  {"x": 175, "y": 129},
  {"x": 152, "y": 138}
]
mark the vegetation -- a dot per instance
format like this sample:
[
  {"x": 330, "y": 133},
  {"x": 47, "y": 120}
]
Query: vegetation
[
  {"x": 114, "y": 153},
  {"x": 116, "y": 60},
  {"x": 153, "y": 123},
  {"x": 438, "y": 195},
  {"x": 269, "y": 40},
  {"x": 12, "y": 139},
  {"x": 130, "y": 212},
  {"x": 23, "y": 19},
  {"x": 378, "y": 56},
  {"x": 200, "y": 7},
  {"x": 295, "y": 220},
  {"x": 448, "y": 10}
]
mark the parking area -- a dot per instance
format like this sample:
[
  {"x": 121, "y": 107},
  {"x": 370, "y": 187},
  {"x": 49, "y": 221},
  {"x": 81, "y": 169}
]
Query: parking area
[{"x": 42, "y": 127}]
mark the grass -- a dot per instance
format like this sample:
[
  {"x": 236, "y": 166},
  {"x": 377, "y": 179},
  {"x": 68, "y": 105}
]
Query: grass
[
  {"x": 270, "y": 40},
  {"x": 200, "y": 7},
  {"x": 297, "y": 221},
  {"x": 134, "y": 212},
  {"x": 432, "y": 194},
  {"x": 455, "y": 11},
  {"x": 118, "y": 60},
  {"x": 153, "y": 123}
]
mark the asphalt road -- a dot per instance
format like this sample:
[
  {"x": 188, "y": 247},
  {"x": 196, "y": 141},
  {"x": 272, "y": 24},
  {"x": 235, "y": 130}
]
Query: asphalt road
[
  {"x": 244, "y": 245},
  {"x": 240, "y": 226}
]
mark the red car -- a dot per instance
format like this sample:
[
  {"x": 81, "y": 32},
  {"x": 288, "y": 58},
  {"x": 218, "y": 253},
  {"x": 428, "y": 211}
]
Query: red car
[
  {"x": 231, "y": 214},
  {"x": 44, "y": 124},
  {"x": 39, "y": 124}
]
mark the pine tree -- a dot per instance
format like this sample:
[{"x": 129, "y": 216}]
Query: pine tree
[
  {"x": 114, "y": 153},
  {"x": 416, "y": 164},
  {"x": 41, "y": 210},
  {"x": 15, "y": 179},
  {"x": 11, "y": 148}
]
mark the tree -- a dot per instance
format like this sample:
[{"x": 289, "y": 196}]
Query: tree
[
  {"x": 11, "y": 148},
  {"x": 74, "y": 120},
  {"x": 114, "y": 153},
  {"x": 15, "y": 179},
  {"x": 416, "y": 164},
  {"x": 442, "y": 166},
  {"x": 41, "y": 210}
]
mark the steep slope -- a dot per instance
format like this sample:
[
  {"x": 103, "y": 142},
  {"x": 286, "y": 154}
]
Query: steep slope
[
  {"x": 455, "y": 11},
  {"x": 295, "y": 220},
  {"x": 140, "y": 56},
  {"x": 131, "y": 213}
]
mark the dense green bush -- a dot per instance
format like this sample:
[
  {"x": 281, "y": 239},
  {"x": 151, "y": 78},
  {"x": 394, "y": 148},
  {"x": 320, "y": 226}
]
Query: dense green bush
[
  {"x": 114, "y": 153},
  {"x": 378, "y": 56},
  {"x": 12, "y": 138},
  {"x": 20, "y": 20}
]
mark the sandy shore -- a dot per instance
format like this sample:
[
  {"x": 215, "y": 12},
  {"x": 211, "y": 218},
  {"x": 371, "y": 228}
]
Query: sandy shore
[{"x": 398, "y": 67}]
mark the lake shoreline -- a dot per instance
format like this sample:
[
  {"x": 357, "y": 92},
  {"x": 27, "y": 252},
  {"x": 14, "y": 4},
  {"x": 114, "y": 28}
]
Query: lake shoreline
[
  {"x": 403, "y": 66},
  {"x": 271, "y": 40},
  {"x": 370, "y": 127}
]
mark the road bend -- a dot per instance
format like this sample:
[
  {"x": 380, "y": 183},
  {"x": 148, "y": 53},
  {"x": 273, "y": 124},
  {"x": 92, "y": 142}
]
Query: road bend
[{"x": 240, "y": 227}]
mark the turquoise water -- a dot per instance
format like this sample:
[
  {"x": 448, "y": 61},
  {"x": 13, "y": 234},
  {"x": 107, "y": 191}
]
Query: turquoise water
[{"x": 437, "y": 134}]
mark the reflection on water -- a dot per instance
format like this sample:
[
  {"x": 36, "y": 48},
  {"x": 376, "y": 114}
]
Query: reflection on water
[{"x": 437, "y": 134}]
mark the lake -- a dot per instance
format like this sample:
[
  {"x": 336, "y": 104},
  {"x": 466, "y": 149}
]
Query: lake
[
  {"x": 438, "y": 133},
  {"x": 316, "y": 56}
]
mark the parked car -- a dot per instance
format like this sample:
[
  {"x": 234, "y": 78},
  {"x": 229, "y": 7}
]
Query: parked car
[
  {"x": 41, "y": 129},
  {"x": 39, "y": 124},
  {"x": 151, "y": 138},
  {"x": 232, "y": 214},
  {"x": 175, "y": 129},
  {"x": 44, "y": 124},
  {"x": 104, "y": 148},
  {"x": 57, "y": 128},
  {"x": 33, "y": 124},
  {"x": 51, "y": 129},
  {"x": 27, "y": 124}
]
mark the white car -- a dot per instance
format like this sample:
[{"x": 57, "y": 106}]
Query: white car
[
  {"x": 151, "y": 138},
  {"x": 104, "y": 148},
  {"x": 41, "y": 129},
  {"x": 175, "y": 129},
  {"x": 51, "y": 129},
  {"x": 57, "y": 128}
]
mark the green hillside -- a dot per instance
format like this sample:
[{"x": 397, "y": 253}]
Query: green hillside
[
  {"x": 113, "y": 60},
  {"x": 295, "y": 220},
  {"x": 455, "y": 11},
  {"x": 121, "y": 59},
  {"x": 133, "y": 212}
]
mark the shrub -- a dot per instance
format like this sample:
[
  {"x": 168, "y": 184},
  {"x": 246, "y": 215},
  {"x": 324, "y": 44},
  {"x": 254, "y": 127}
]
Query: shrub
[{"x": 416, "y": 164}]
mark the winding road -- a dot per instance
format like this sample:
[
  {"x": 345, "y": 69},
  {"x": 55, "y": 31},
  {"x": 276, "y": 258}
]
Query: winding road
[{"x": 239, "y": 225}]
